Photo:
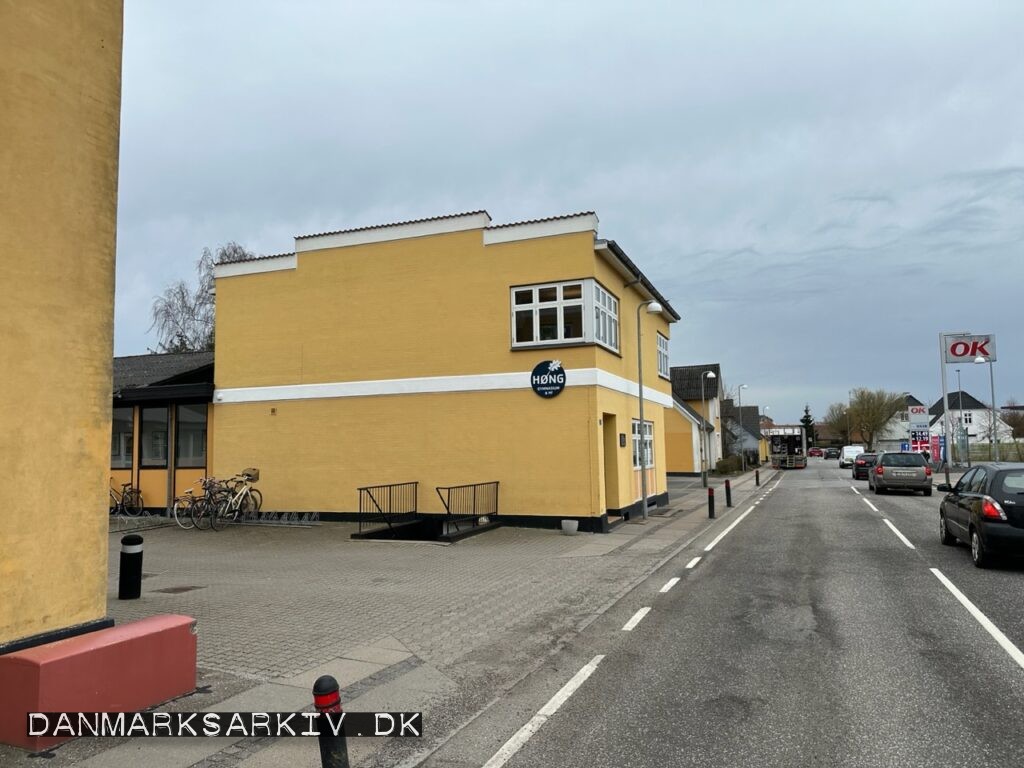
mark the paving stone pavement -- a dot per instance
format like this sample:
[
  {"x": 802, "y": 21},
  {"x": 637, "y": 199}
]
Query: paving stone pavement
[{"x": 276, "y": 606}]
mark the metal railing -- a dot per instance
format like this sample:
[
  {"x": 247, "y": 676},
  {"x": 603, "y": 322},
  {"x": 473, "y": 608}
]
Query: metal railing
[
  {"x": 388, "y": 504},
  {"x": 466, "y": 504}
]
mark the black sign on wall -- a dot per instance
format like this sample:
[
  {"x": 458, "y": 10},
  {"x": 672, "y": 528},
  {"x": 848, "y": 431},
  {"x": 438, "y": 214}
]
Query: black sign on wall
[{"x": 548, "y": 378}]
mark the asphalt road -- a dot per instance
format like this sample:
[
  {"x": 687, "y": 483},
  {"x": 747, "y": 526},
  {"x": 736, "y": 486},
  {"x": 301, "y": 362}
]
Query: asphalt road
[{"x": 810, "y": 635}]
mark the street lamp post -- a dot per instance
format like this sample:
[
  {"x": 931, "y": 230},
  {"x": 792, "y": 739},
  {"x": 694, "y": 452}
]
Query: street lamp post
[
  {"x": 961, "y": 430},
  {"x": 993, "y": 442},
  {"x": 653, "y": 308},
  {"x": 743, "y": 452},
  {"x": 704, "y": 458}
]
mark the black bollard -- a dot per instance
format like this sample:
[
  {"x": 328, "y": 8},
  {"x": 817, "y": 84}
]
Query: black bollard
[
  {"x": 327, "y": 699},
  {"x": 711, "y": 503},
  {"x": 129, "y": 586},
  {"x": 757, "y": 477},
  {"x": 728, "y": 494}
]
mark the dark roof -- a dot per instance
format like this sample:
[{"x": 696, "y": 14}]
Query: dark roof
[
  {"x": 911, "y": 400},
  {"x": 641, "y": 278},
  {"x": 958, "y": 400},
  {"x": 395, "y": 224},
  {"x": 746, "y": 417},
  {"x": 695, "y": 414},
  {"x": 686, "y": 381},
  {"x": 149, "y": 370},
  {"x": 539, "y": 221}
]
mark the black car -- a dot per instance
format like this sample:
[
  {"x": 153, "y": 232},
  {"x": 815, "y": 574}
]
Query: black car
[
  {"x": 985, "y": 509},
  {"x": 831, "y": 453},
  {"x": 863, "y": 464}
]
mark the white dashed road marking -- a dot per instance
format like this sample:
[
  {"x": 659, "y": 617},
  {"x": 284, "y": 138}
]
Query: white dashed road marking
[
  {"x": 670, "y": 583},
  {"x": 895, "y": 530},
  {"x": 523, "y": 735},
  {"x": 637, "y": 618},
  {"x": 982, "y": 619},
  {"x": 724, "y": 533},
  {"x": 693, "y": 562}
]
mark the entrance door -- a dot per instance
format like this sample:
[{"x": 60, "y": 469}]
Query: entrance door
[{"x": 611, "y": 462}]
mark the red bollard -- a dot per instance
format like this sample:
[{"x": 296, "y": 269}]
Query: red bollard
[
  {"x": 711, "y": 503},
  {"x": 327, "y": 700}
]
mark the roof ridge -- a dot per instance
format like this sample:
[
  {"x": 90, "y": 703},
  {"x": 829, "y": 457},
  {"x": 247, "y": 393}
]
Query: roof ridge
[
  {"x": 540, "y": 221},
  {"x": 396, "y": 224}
]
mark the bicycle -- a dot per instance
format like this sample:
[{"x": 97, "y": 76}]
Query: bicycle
[
  {"x": 188, "y": 508},
  {"x": 241, "y": 500},
  {"x": 203, "y": 509},
  {"x": 127, "y": 502}
]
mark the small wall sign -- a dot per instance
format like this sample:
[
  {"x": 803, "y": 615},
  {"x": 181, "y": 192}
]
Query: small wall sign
[{"x": 548, "y": 378}]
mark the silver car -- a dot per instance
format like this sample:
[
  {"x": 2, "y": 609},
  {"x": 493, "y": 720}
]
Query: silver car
[{"x": 909, "y": 471}]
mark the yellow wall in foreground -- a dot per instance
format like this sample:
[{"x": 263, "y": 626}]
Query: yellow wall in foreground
[
  {"x": 313, "y": 454},
  {"x": 60, "y": 82}
]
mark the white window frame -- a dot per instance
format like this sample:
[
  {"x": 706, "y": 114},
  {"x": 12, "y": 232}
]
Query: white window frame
[
  {"x": 605, "y": 317},
  {"x": 663, "y": 369},
  {"x": 968, "y": 417},
  {"x": 648, "y": 439},
  {"x": 599, "y": 309}
]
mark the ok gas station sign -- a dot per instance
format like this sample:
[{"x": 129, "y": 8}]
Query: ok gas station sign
[{"x": 964, "y": 349}]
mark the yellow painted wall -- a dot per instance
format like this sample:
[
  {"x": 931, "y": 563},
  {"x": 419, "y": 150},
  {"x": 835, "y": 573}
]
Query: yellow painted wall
[
  {"x": 431, "y": 306},
  {"x": 60, "y": 82},
  {"x": 679, "y": 440},
  {"x": 314, "y": 454},
  {"x": 627, "y": 409}
]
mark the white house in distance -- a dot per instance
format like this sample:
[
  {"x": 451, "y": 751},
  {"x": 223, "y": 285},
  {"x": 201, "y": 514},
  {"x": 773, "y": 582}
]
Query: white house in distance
[{"x": 970, "y": 413}]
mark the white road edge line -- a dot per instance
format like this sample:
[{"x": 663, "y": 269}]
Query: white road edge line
[
  {"x": 982, "y": 619},
  {"x": 637, "y": 618},
  {"x": 693, "y": 562},
  {"x": 895, "y": 530},
  {"x": 723, "y": 534},
  {"x": 669, "y": 584},
  {"x": 855, "y": 490},
  {"x": 872, "y": 506},
  {"x": 513, "y": 745}
]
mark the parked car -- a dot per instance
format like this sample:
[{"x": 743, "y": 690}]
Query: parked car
[
  {"x": 863, "y": 464},
  {"x": 985, "y": 509},
  {"x": 831, "y": 453},
  {"x": 849, "y": 454},
  {"x": 813, "y": 451},
  {"x": 907, "y": 471}
]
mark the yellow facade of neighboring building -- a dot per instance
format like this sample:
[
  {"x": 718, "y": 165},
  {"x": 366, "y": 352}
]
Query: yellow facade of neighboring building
[
  {"x": 682, "y": 440},
  {"x": 404, "y": 353},
  {"x": 60, "y": 90}
]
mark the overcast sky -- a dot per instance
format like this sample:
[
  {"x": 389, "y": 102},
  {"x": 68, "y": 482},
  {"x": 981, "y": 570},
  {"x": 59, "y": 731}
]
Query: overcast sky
[{"x": 819, "y": 188}]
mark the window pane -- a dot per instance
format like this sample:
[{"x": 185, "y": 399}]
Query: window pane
[
  {"x": 524, "y": 296},
  {"x": 613, "y": 333},
  {"x": 572, "y": 291},
  {"x": 121, "y": 439},
  {"x": 524, "y": 325},
  {"x": 573, "y": 322},
  {"x": 597, "y": 324},
  {"x": 190, "y": 446},
  {"x": 154, "y": 437},
  {"x": 547, "y": 294},
  {"x": 549, "y": 324}
]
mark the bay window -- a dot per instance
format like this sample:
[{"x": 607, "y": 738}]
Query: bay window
[{"x": 559, "y": 313}]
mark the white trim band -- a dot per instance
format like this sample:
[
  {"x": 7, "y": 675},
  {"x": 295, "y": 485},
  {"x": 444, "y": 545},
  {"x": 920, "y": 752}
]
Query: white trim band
[
  {"x": 575, "y": 377},
  {"x": 256, "y": 266},
  {"x": 400, "y": 231},
  {"x": 528, "y": 230}
]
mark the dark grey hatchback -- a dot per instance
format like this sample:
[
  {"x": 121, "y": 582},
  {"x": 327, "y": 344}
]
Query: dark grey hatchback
[{"x": 985, "y": 509}]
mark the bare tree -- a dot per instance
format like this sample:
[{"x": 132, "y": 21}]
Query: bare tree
[
  {"x": 1014, "y": 419},
  {"x": 182, "y": 315},
  {"x": 837, "y": 420},
  {"x": 871, "y": 410}
]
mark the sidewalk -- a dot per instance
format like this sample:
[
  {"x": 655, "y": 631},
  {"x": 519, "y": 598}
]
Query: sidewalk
[{"x": 401, "y": 625}]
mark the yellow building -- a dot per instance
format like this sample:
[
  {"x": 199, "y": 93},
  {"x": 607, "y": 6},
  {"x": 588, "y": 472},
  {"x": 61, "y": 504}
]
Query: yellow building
[
  {"x": 446, "y": 352},
  {"x": 60, "y": 96},
  {"x": 696, "y": 413}
]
